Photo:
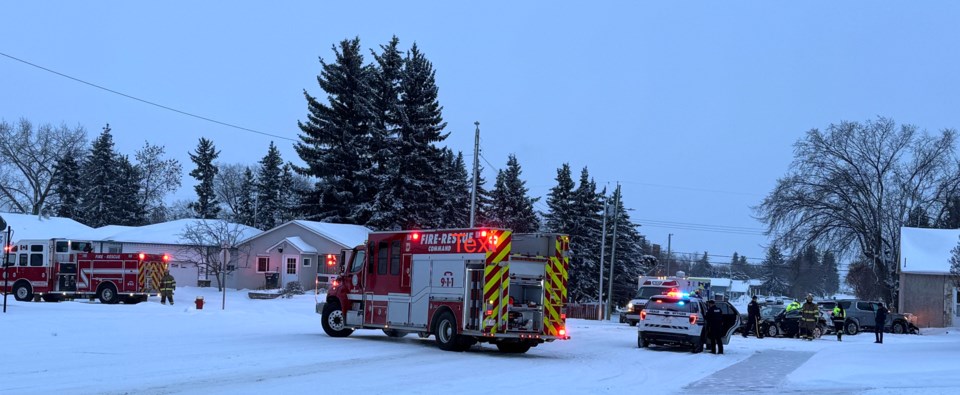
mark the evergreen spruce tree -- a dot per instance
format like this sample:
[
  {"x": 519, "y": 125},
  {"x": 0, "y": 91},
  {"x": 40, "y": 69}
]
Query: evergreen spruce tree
[
  {"x": 269, "y": 186},
  {"x": 484, "y": 201},
  {"x": 772, "y": 269},
  {"x": 335, "y": 142},
  {"x": 100, "y": 174},
  {"x": 290, "y": 192},
  {"x": 627, "y": 265},
  {"x": 246, "y": 209},
  {"x": 738, "y": 267},
  {"x": 560, "y": 203},
  {"x": 206, "y": 206},
  {"x": 68, "y": 187},
  {"x": 456, "y": 207},
  {"x": 421, "y": 126},
  {"x": 831, "y": 274},
  {"x": 702, "y": 267},
  {"x": 811, "y": 275},
  {"x": 387, "y": 201},
  {"x": 512, "y": 209},
  {"x": 950, "y": 217},
  {"x": 130, "y": 209},
  {"x": 585, "y": 230}
]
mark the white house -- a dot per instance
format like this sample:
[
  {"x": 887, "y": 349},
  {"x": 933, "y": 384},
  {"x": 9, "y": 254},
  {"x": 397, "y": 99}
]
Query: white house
[
  {"x": 36, "y": 227},
  {"x": 927, "y": 289}
]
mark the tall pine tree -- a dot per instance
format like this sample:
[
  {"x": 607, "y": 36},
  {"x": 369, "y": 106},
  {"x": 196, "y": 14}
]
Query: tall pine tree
[
  {"x": 511, "y": 208},
  {"x": 335, "y": 142},
  {"x": 387, "y": 201},
  {"x": 100, "y": 172},
  {"x": 560, "y": 202},
  {"x": 585, "y": 230},
  {"x": 246, "y": 207},
  {"x": 269, "y": 186},
  {"x": 774, "y": 282},
  {"x": 68, "y": 187},
  {"x": 456, "y": 207},
  {"x": 206, "y": 206}
]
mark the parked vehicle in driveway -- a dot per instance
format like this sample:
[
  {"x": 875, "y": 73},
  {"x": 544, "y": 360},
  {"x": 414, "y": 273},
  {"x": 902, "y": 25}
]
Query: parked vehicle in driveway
[{"x": 861, "y": 314}]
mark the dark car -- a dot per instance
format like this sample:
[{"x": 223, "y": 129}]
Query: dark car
[
  {"x": 787, "y": 324},
  {"x": 860, "y": 317},
  {"x": 767, "y": 313}
]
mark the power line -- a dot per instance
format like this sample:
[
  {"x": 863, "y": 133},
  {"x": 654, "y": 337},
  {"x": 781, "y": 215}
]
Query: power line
[
  {"x": 737, "y": 230},
  {"x": 168, "y": 108}
]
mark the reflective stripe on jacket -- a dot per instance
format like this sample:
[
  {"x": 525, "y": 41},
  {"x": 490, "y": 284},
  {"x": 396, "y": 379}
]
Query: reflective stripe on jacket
[
  {"x": 167, "y": 283},
  {"x": 809, "y": 312}
]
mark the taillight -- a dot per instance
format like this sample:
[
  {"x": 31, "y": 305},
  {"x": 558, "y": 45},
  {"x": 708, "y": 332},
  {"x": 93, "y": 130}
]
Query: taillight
[
  {"x": 693, "y": 319},
  {"x": 643, "y": 315},
  {"x": 563, "y": 332},
  {"x": 563, "y": 316}
]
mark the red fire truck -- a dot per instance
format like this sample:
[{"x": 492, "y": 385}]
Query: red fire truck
[
  {"x": 58, "y": 269},
  {"x": 462, "y": 286}
]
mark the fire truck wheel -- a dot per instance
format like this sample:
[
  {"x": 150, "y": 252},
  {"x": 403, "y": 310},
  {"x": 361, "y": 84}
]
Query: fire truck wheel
[
  {"x": 22, "y": 292},
  {"x": 108, "y": 294},
  {"x": 448, "y": 338},
  {"x": 513, "y": 348},
  {"x": 333, "y": 321},
  {"x": 394, "y": 333},
  {"x": 50, "y": 298}
]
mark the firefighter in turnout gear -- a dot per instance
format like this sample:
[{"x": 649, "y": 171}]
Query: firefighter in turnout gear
[
  {"x": 808, "y": 315},
  {"x": 167, "y": 286},
  {"x": 838, "y": 317}
]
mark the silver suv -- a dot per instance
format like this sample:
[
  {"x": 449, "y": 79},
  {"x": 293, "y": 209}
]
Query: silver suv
[
  {"x": 677, "y": 320},
  {"x": 861, "y": 316}
]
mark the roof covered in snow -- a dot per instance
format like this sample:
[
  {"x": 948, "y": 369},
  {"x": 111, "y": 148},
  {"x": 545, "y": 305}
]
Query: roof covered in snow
[
  {"x": 343, "y": 234},
  {"x": 927, "y": 250},
  {"x": 719, "y": 282},
  {"x": 297, "y": 243},
  {"x": 32, "y": 227},
  {"x": 739, "y": 286},
  {"x": 170, "y": 232}
]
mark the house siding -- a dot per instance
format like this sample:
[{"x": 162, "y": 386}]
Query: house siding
[
  {"x": 247, "y": 276},
  {"x": 929, "y": 297}
]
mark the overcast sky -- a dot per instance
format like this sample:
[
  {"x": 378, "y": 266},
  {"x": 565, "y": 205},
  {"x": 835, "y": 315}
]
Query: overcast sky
[{"x": 693, "y": 107}]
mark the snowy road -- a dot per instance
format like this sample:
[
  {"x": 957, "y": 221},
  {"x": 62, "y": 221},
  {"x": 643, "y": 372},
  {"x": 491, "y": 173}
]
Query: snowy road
[{"x": 258, "y": 346}]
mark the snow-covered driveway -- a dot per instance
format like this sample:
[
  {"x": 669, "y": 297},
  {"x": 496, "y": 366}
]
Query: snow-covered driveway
[{"x": 260, "y": 346}]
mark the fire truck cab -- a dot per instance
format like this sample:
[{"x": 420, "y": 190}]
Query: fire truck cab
[
  {"x": 58, "y": 269},
  {"x": 462, "y": 286}
]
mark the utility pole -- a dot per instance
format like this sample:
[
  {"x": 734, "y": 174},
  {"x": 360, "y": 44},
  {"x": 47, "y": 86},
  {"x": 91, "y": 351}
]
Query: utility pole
[
  {"x": 6, "y": 266},
  {"x": 669, "y": 255},
  {"x": 223, "y": 269},
  {"x": 476, "y": 170},
  {"x": 613, "y": 247},
  {"x": 603, "y": 244}
]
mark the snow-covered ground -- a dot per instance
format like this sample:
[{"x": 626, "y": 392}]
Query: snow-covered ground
[{"x": 277, "y": 346}]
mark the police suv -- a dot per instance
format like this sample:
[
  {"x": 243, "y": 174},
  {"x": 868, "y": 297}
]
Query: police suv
[{"x": 676, "y": 319}]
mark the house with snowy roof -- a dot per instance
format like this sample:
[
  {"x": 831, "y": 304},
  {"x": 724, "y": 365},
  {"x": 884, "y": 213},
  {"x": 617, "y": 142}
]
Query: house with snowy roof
[
  {"x": 927, "y": 289},
  {"x": 38, "y": 227},
  {"x": 294, "y": 251}
]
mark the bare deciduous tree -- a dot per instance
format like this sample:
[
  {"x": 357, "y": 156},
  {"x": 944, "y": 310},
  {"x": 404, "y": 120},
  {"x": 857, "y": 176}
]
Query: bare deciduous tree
[
  {"x": 205, "y": 242},
  {"x": 28, "y": 159},
  {"x": 158, "y": 177},
  {"x": 228, "y": 185},
  {"x": 851, "y": 187}
]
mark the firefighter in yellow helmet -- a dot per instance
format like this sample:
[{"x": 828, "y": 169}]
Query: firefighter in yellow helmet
[{"x": 167, "y": 285}]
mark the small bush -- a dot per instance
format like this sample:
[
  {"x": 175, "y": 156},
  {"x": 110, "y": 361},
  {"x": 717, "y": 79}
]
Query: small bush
[{"x": 292, "y": 288}]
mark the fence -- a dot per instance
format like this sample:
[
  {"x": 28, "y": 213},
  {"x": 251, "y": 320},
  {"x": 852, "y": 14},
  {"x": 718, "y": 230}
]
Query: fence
[{"x": 587, "y": 311}]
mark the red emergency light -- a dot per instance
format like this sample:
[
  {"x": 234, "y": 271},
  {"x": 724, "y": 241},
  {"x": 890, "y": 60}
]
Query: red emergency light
[
  {"x": 563, "y": 332},
  {"x": 141, "y": 256},
  {"x": 331, "y": 260},
  {"x": 166, "y": 257},
  {"x": 415, "y": 236},
  {"x": 483, "y": 233}
]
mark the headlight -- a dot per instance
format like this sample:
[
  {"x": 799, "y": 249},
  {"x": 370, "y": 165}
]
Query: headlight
[{"x": 630, "y": 306}]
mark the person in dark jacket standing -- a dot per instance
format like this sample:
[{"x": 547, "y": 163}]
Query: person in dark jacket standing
[
  {"x": 839, "y": 317},
  {"x": 714, "y": 320},
  {"x": 753, "y": 318},
  {"x": 809, "y": 315},
  {"x": 879, "y": 321},
  {"x": 167, "y": 285}
]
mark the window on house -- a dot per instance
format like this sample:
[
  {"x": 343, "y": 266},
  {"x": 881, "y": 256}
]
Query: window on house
[
  {"x": 306, "y": 262},
  {"x": 291, "y": 265},
  {"x": 383, "y": 257},
  {"x": 263, "y": 264},
  {"x": 395, "y": 258}
]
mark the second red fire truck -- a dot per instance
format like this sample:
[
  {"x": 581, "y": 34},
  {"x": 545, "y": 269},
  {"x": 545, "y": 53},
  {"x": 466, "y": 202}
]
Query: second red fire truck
[
  {"x": 59, "y": 269},
  {"x": 463, "y": 286}
]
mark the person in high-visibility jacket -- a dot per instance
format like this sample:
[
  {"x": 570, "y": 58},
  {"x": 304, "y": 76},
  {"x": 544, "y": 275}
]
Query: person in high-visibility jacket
[
  {"x": 809, "y": 314},
  {"x": 838, "y": 317},
  {"x": 167, "y": 285},
  {"x": 793, "y": 306}
]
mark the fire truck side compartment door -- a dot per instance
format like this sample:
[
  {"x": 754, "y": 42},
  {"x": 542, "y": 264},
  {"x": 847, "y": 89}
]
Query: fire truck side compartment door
[{"x": 419, "y": 290}]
